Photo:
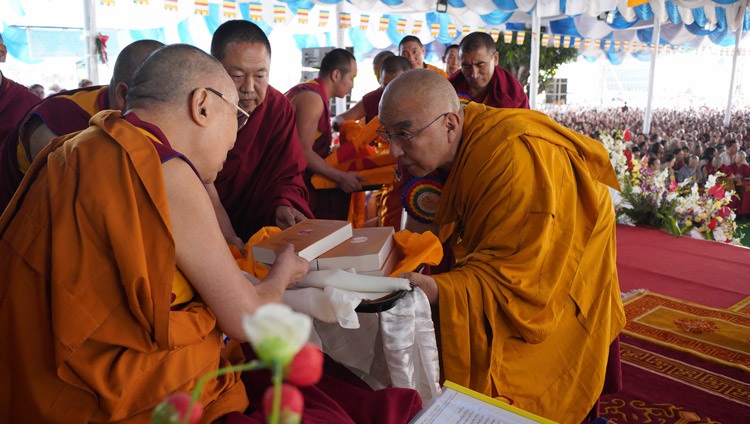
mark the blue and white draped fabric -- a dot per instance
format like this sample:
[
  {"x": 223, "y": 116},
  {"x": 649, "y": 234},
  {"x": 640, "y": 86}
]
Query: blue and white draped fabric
[{"x": 683, "y": 21}]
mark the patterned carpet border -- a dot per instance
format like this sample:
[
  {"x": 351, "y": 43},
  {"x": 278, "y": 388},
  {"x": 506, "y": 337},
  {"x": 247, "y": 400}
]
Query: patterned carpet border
[
  {"x": 742, "y": 307},
  {"x": 700, "y": 330}
]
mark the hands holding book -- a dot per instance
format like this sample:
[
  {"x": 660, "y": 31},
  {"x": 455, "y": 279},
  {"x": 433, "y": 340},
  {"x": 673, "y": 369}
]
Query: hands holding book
[{"x": 288, "y": 268}]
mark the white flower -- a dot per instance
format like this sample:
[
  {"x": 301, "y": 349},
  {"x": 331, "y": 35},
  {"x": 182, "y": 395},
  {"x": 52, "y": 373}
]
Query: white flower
[{"x": 276, "y": 332}]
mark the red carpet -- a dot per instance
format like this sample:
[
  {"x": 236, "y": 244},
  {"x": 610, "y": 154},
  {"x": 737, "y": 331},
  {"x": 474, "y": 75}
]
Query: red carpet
[{"x": 709, "y": 273}]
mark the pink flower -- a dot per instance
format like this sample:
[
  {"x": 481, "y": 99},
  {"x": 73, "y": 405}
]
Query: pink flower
[
  {"x": 716, "y": 191},
  {"x": 174, "y": 410},
  {"x": 307, "y": 366},
  {"x": 292, "y": 404},
  {"x": 724, "y": 212},
  {"x": 673, "y": 186}
]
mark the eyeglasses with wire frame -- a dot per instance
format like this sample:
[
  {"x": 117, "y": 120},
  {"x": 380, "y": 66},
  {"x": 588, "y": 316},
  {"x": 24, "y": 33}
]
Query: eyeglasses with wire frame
[
  {"x": 403, "y": 138},
  {"x": 242, "y": 116}
]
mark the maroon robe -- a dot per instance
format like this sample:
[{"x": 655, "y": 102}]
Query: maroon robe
[
  {"x": 371, "y": 101},
  {"x": 63, "y": 113},
  {"x": 504, "y": 90},
  {"x": 265, "y": 168},
  {"x": 328, "y": 203}
]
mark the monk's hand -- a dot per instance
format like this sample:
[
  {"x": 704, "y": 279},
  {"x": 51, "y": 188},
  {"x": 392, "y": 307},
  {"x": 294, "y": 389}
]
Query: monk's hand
[
  {"x": 237, "y": 242},
  {"x": 350, "y": 181},
  {"x": 288, "y": 267},
  {"x": 287, "y": 216},
  {"x": 424, "y": 282}
]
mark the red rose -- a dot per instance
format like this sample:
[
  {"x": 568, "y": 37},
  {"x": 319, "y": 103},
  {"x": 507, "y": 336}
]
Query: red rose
[
  {"x": 712, "y": 224},
  {"x": 292, "y": 404},
  {"x": 717, "y": 191},
  {"x": 174, "y": 409},
  {"x": 307, "y": 366}
]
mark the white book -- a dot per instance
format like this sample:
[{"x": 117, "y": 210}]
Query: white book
[
  {"x": 367, "y": 250},
  {"x": 311, "y": 238},
  {"x": 457, "y": 404}
]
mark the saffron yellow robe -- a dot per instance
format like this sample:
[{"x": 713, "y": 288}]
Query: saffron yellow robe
[
  {"x": 531, "y": 307},
  {"x": 88, "y": 261}
]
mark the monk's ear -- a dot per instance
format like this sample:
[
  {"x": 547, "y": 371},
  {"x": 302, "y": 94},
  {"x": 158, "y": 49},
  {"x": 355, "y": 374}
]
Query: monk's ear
[
  {"x": 120, "y": 96},
  {"x": 335, "y": 75},
  {"x": 496, "y": 58},
  {"x": 453, "y": 124},
  {"x": 199, "y": 107}
]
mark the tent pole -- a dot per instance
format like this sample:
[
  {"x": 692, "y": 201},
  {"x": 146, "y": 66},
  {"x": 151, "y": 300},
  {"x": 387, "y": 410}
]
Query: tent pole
[
  {"x": 728, "y": 114},
  {"x": 652, "y": 69},
  {"x": 89, "y": 37},
  {"x": 536, "y": 23},
  {"x": 340, "y": 102}
]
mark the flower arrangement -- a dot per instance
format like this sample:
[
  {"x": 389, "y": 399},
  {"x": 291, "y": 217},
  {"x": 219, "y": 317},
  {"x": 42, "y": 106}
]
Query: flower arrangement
[
  {"x": 650, "y": 198},
  {"x": 279, "y": 337}
]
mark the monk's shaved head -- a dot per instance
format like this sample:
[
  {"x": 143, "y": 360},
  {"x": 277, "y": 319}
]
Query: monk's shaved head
[
  {"x": 395, "y": 64},
  {"x": 429, "y": 87},
  {"x": 477, "y": 40},
  {"x": 171, "y": 73},
  {"x": 130, "y": 58}
]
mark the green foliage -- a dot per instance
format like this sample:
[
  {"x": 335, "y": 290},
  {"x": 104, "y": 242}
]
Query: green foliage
[{"x": 517, "y": 59}]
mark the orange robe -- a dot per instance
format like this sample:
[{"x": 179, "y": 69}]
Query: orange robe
[
  {"x": 533, "y": 304},
  {"x": 88, "y": 262}
]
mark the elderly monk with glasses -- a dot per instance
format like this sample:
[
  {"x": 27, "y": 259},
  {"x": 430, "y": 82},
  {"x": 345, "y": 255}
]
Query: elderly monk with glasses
[{"x": 530, "y": 308}]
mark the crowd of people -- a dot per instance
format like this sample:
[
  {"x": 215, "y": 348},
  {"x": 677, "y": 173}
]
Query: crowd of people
[
  {"x": 690, "y": 145},
  {"x": 119, "y": 202}
]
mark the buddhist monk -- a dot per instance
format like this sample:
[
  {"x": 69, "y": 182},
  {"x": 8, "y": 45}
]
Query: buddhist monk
[
  {"x": 15, "y": 101},
  {"x": 413, "y": 50},
  {"x": 311, "y": 103},
  {"x": 65, "y": 113},
  {"x": 532, "y": 305},
  {"x": 481, "y": 80},
  {"x": 262, "y": 181},
  {"x": 128, "y": 285},
  {"x": 450, "y": 59},
  {"x": 367, "y": 108}
]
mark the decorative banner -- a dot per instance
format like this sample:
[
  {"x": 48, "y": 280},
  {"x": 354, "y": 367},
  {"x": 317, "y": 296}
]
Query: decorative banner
[
  {"x": 495, "y": 34},
  {"x": 520, "y": 37},
  {"x": 171, "y": 5},
  {"x": 142, "y": 2},
  {"x": 201, "y": 7},
  {"x": 635, "y": 46},
  {"x": 466, "y": 29},
  {"x": 401, "y": 26},
  {"x": 545, "y": 39},
  {"x": 508, "y": 37},
  {"x": 109, "y": 2},
  {"x": 346, "y": 20},
  {"x": 230, "y": 9},
  {"x": 482, "y": 29},
  {"x": 364, "y": 22},
  {"x": 435, "y": 30},
  {"x": 256, "y": 11},
  {"x": 597, "y": 44},
  {"x": 323, "y": 19},
  {"x": 617, "y": 46},
  {"x": 383, "y": 24},
  {"x": 625, "y": 45},
  {"x": 607, "y": 44},
  {"x": 451, "y": 30},
  {"x": 644, "y": 47},
  {"x": 577, "y": 43},
  {"x": 556, "y": 41},
  {"x": 586, "y": 44},
  {"x": 417, "y": 27},
  {"x": 303, "y": 16},
  {"x": 566, "y": 41},
  {"x": 279, "y": 13}
]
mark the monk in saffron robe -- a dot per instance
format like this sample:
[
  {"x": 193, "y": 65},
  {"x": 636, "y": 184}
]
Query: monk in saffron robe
[
  {"x": 532, "y": 305},
  {"x": 65, "y": 113},
  {"x": 261, "y": 183},
  {"x": 128, "y": 283},
  {"x": 311, "y": 103},
  {"x": 481, "y": 80},
  {"x": 413, "y": 50}
]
